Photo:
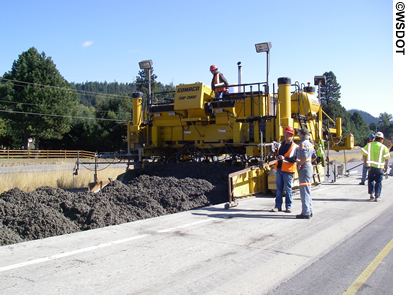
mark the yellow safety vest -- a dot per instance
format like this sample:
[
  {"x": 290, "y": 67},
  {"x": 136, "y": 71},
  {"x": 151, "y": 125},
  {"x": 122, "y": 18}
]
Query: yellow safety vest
[{"x": 376, "y": 154}]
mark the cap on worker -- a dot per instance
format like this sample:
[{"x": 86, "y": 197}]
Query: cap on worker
[
  {"x": 379, "y": 135},
  {"x": 289, "y": 130},
  {"x": 303, "y": 132},
  {"x": 372, "y": 136},
  {"x": 213, "y": 67}
]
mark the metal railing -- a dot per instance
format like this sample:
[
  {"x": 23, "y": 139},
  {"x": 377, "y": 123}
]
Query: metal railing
[{"x": 7, "y": 153}]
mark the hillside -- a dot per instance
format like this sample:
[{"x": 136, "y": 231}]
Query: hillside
[{"x": 368, "y": 118}]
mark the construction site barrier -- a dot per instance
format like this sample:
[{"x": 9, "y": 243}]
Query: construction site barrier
[{"x": 7, "y": 153}]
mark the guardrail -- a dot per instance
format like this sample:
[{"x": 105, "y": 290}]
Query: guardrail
[{"x": 7, "y": 153}]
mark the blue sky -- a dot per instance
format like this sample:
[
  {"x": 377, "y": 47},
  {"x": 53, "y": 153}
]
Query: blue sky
[{"x": 105, "y": 40}]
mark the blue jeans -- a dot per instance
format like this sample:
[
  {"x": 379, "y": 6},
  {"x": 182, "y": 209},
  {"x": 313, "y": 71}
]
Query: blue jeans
[
  {"x": 305, "y": 176},
  {"x": 364, "y": 173},
  {"x": 375, "y": 177},
  {"x": 284, "y": 181}
]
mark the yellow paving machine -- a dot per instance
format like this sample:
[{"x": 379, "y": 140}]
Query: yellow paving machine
[{"x": 241, "y": 127}]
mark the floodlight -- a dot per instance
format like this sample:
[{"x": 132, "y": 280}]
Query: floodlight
[
  {"x": 263, "y": 47},
  {"x": 320, "y": 80},
  {"x": 147, "y": 64}
]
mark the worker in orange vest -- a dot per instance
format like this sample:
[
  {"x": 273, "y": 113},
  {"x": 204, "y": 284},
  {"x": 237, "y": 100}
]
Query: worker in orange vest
[
  {"x": 286, "y": 167},
  {"x": 218, "y": 84}
]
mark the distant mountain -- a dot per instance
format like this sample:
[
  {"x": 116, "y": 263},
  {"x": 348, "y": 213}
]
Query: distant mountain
[{"x": 368, "y": 118}]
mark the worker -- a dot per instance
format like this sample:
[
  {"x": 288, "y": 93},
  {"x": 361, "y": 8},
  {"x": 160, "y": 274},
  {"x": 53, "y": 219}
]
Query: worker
[
  {"x": 376, "y": 156},
  {"x": 286, "y": 167},
  {"x": 305, "y": 153},
  {"x": 218, "y": 84},
  {"x": 364, "y": 167}
]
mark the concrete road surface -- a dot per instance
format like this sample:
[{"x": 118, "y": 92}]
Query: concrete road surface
[{"x": 244, "y": 250}]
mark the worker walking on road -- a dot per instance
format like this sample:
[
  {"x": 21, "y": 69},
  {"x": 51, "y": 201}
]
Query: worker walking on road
[
  {"x": 305, "y": 172},
  {"x": 365, "y": 167},
  {"x": 376, "y": 156},
  {"x": 218, "y": 84},
  {"x": 286, "y": 166}
]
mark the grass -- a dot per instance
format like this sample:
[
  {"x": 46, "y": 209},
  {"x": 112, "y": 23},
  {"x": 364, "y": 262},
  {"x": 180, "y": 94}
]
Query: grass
[{"x": 60, "y": 178}]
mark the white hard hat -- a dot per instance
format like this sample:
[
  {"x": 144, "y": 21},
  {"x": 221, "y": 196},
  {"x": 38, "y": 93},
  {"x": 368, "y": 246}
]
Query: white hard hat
[{"x": 379, "y": 135}]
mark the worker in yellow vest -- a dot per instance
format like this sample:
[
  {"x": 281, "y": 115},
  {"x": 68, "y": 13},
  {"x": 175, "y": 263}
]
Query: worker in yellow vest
[
  {"x": 218, "y": 84},
  {"x": 286, "y": 167},
  {"x": 375, "y": 156}
]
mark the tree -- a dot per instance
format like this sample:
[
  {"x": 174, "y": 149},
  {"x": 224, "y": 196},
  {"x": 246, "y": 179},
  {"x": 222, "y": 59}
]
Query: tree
[
  {"x": 362, "y": 130},
  {"x": 40, "y": 100},
  {"x": 330, "y": 92},
  {"x": 385, "y": 125},
  {"x": 330, "y": 102}
]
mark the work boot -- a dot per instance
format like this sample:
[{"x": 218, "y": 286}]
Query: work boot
[
  {"x": 361, "y": 183},
  {"x": 371, "y": 197},
  {"x": 301, "y": 216},
  {"x": 276, "y": 210},
  {"x": 378, "y": 198},
  {"x": 288, "y": 210}
]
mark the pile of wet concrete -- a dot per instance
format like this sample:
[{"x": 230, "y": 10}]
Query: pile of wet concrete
[{"x": 152, "y": 191}]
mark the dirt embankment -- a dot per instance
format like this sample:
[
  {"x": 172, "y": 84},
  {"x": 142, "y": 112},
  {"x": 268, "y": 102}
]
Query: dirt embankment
[{"x": 152, "y": 191}]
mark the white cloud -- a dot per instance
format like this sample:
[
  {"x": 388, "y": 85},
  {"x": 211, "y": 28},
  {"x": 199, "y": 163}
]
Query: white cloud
[{"x": 87, "y": 43}]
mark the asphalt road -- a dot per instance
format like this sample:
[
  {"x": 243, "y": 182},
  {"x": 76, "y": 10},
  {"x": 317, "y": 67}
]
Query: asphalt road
[
  {"x": 244, "y": 250},
  {"x": 338, "y": 269}
]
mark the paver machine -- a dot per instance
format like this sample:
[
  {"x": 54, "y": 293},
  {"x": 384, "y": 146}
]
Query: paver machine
[{"x": 241, "y": 127}]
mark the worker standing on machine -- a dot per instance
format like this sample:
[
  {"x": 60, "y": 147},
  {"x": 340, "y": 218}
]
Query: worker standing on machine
[
  {"x": 286, "y": 166},
  {"x": 376, "y": 156},
  {"x": 305, "y": 172},
  {"x": 365, "y": 167},
  {"x": 218, "y": 84}
]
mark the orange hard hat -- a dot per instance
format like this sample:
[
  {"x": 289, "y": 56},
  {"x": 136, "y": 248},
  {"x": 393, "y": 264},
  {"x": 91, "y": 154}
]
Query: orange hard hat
[
  {"x": 213, "y": 67},
  {"x": 289, "y": 130}
]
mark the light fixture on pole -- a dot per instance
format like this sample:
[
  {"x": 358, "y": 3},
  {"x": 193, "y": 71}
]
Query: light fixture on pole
[
  {"x": 147, "y": 64},
  {"x": 265, "y": 47}
]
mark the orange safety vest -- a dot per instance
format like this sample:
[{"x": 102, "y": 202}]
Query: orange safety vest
[
  {"x": 218, "y": 83},
  {"x": 289, "y": 167}
]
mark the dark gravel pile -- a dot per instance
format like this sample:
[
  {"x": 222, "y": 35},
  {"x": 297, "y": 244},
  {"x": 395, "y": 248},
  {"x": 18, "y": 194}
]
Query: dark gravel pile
[{"x": 150, "y": 192}]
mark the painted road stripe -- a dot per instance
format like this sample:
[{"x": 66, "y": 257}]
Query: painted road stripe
[
  {"x": 92, "y": 248},
  {"x": 67, "y": 254},
  {"x": 352, "y": 290},
  {"x": 183, "y": 226}
]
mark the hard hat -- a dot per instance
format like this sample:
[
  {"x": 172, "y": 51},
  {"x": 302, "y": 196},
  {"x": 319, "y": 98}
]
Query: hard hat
[
  {"x": 289, "y": 130},
  {"x": 379, "y": 135},
  {"x": 372, "y": 136},
  {"x": 213, "y": 67}
]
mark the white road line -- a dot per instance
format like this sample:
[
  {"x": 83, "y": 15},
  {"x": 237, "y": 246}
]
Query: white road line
[
  {"x": 67, "y": 254},
  {"x": 182, "y": 226},
  {"x": 92, "y": 248}
]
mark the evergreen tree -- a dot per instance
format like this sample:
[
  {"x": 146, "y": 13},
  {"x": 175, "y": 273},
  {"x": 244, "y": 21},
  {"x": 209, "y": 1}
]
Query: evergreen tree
[
  {"x": 330, "y": 102},
  {"x": 39, "y": 98},
  {"x": 385, "y": 125},
  {"x": 330, "y": 92},
  {"x": 362, "y": 131}
]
